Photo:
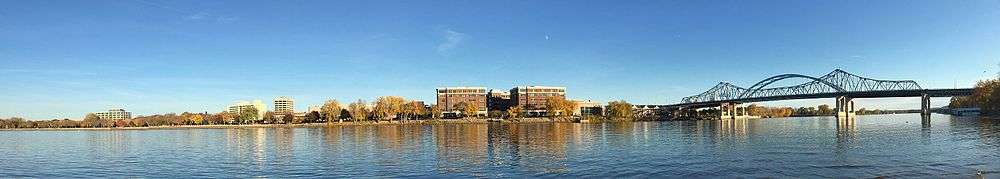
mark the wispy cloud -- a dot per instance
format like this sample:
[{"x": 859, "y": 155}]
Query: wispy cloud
[
  {"x": 191, "y": 14},
  {"x": 451, "y": 40},
  {"x": 198, "y": 16},
  {"x": 46, "y": 72},
  {"x": 205, "y": 16},
  {"x": 226, "y": 19}
]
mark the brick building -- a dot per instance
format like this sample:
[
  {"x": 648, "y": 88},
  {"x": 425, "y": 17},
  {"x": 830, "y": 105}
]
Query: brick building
[
  {"x": 448, "y": 97},
  {"x": 532, "y": 98}
]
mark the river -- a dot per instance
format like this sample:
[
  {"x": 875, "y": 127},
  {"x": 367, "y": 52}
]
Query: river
[{"x": 902, "y": 145}]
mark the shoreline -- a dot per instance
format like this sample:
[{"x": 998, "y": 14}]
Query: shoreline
[{"x": 345, "y": 123}]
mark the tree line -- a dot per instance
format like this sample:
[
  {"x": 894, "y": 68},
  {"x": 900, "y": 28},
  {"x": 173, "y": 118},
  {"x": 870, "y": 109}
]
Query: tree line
[
  {"x": 986, "y": 96},
  {"x": 385, "y": 108},
  {"x": 821, "y": 110}
]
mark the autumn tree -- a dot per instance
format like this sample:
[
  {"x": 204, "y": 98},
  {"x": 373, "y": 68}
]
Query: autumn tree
[
  {"x": 17, "y": 122},
  {"x": 467, "y": 109},
  {"x": 287, "y": 118},
  {"x": 824, "y": 110},
  {"x": 412, "y": 109},
  {"x": 139, "y": 122},
  {"x": 961, "y": 102},
  {"x": 331, "y": 110},
  {"x": 196, "y": 119},
  {"x": 406, "y": 111},
  {"x": 91, "y": 120},
  {"x": 247, "y": 115},
  {"x": 986, "y": 96},
  {"x": 471, "y": 109},
  {"x": 216, "y": 118},
  {"x": 514, "y": 112},
  {"x": 387, "y": 107},
  {"x": 358, "y": 110},
  {"x": 227, "y": 117},
  {"x": 496, "y": 114},
  {"x": 756, "y": 110},
  {"x": 619, "y": 110},
  {"x": 559, "y": 106},
  {"x": 269, "y": 117},
  {"x": 436, "y": 111},
  {"x": 311, "y": 117}
]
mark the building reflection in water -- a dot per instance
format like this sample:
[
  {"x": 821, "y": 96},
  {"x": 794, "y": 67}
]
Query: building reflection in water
[
  {"x": 284, "y": 144},
  {"x": 110, "y": 143},
  {"x": 538, "y": 147},
  {"x": 248, "y": 145},
  {"x": 461, "y": 146}
]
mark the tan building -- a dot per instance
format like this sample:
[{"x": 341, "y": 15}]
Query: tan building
[
  {"x": 242, "y": 106},
  {"x": 114, "y": 114},
  {"x": 588, "y": 108},
  {"x": 284, "y": 105},
  {"x": 448, "y": 97},
  {"x": 532, "y": 98}
]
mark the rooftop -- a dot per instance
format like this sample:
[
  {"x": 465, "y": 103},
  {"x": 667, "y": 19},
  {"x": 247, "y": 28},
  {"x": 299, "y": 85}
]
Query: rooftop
[
  {"x": 462, "y": 87},
  {"x": 539, "y": 87}
]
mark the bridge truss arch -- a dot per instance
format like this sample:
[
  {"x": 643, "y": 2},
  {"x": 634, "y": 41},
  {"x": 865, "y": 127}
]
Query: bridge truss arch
[
  {"x": 817, "y": 85},
  {"x": 836, "y": 81}
]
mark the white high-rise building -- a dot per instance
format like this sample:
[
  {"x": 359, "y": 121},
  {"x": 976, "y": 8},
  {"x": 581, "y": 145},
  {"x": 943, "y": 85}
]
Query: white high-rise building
[
  {"x": 241, "y": 106},
  {"x": 115, "y": 114},
  {"x": 284, "y": 105}
]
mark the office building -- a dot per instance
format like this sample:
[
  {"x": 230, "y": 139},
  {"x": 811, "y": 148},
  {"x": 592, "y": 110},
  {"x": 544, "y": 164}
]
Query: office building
[
  {"x": 284, "y": 105},
  {"x": 449, "y": 97},
  {"x": 242, "y": 106},
  {"x": 532, "y": 99},
  {"x": 114, "y": 114}
]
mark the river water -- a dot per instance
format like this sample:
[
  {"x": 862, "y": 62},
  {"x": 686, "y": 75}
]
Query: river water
[{"x": 903, "y": 145}]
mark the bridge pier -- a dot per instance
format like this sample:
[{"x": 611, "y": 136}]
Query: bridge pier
[
  {"x": 845, "y": 107},
  {"x": 733, "y": 111},
  {"x": 925, "y": 104},
  {"x": 726, "y": 111}
]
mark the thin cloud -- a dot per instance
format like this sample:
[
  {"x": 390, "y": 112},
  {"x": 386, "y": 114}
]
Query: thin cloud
[
  {"x": 198, "y": 16},
  {"x": 47, "y": 72},
  {"x": 451, "y": 40},
  {"x": 223, "y": 19},
  {"x": 191, "y": 14}
]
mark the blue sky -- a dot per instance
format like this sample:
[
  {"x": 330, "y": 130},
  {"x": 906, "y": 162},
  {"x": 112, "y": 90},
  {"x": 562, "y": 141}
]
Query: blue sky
[{"x": 62, "y": 59}]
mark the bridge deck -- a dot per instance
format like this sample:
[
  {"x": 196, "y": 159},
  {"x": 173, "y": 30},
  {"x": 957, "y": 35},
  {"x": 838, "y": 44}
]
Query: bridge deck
[{"x": 851, "y": 94}]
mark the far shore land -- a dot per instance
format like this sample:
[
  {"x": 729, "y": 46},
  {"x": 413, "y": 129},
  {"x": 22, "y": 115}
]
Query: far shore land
[
  {"x": 345, "y": 123},
  {"x": 395, "y": 122}
]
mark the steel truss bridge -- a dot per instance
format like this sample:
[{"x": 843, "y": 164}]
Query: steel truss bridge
[{"x": 837, "y": 84}]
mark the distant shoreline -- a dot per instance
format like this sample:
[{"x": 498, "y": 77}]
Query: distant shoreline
[{"x": 345, "y": 123}]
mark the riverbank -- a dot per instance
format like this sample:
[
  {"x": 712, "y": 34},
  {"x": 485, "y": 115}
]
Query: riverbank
[{"x": 345, "y": 123}]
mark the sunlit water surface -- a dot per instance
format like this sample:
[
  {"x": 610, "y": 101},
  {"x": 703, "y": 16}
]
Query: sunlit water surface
[{"x": 902, "y": 145}]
